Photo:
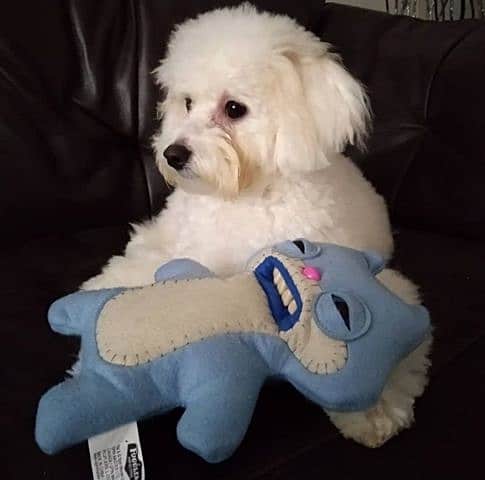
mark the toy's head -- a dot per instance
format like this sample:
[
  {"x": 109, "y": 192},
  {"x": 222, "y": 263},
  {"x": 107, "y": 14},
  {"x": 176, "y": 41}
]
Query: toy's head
[{"x": 332, "y": 311}]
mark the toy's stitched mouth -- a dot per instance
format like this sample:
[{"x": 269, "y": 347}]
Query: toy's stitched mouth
[{"x": 283, "y": 296}]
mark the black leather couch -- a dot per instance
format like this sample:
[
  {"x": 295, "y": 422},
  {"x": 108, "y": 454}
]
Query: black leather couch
[{"x": 77, "y": 108}]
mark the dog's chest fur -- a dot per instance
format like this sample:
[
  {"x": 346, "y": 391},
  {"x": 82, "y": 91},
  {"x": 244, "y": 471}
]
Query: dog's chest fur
[
  {"x": 224, "y": 235},
  {"x": 336, "y": 205}
]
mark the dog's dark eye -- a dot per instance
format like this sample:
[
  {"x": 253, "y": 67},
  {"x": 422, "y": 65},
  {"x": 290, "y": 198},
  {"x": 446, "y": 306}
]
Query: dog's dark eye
[
  {"x": 235, "y": 110},
  {"x": 188, "y": 104}
]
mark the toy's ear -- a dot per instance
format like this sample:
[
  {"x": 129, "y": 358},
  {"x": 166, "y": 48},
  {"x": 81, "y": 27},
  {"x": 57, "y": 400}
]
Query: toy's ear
[
  {"x": 182, "y": 269},
  {"x": 375, "y": 261}
]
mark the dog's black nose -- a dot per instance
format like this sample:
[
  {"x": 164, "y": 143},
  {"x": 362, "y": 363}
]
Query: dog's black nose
[{"x": 177, "y": 155}]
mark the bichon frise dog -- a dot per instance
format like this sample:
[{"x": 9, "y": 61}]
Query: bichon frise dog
[{"x": 257, "y": 113}]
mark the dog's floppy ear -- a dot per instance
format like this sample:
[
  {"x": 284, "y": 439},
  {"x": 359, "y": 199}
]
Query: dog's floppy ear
[
  {"x": 337, "y": 101},
  {"x": 296, "y": 145},
  {"x": 321, "y": 107}
]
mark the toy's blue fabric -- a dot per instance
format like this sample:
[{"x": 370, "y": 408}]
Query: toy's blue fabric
[
  {"x": 326, "y": 325},
  {"x": 181, "y": 269}
]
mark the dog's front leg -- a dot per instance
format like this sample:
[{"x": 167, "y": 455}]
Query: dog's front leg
[
  {"x": 122, "y": 271},
  {"x": 147, "y": 250}
]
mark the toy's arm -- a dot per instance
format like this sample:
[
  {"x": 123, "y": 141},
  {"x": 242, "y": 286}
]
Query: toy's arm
[
  {"x": 182, "y": 269},
  {"x": 68, "y": 314}
]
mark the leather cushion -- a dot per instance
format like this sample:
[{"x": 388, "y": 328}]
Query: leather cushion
[{"x": 278, "y": 444}]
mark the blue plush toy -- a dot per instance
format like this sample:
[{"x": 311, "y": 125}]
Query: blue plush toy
[{"x": 311, "y": 314}]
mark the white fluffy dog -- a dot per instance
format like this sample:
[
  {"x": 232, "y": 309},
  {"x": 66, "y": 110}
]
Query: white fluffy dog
[{"x": 256, "y": 116}]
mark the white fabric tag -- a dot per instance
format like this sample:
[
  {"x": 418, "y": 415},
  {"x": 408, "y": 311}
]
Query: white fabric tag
[{"x": 116, "y": 455}]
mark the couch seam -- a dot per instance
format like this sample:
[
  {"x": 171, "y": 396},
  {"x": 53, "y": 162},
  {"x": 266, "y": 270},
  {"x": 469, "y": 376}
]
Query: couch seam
[
  {"x": 405, "y": 171},
  {"x": 135, "y": 6},
  {"x": 429, "y": 89},
  {"x": 444, "y": 57}
]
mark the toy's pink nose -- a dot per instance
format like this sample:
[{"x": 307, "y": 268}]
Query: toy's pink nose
[{"x": 312, "y": 273}]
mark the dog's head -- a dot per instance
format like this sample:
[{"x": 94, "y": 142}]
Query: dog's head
[{"x": 250, "y": 95}]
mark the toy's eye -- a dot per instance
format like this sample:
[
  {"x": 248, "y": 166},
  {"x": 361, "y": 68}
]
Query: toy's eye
[
  {"x": 342, "y": 316},
  {"x": 188, "y": 104},
  {"x": 343, "y": 309},
  {"x": 299, "y": 248},
  {"x": 307, "y": 249}
]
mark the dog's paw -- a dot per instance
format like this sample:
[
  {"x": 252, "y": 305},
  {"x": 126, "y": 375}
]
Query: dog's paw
[
  {"x": 395, "y": 409},
  {"x": 373, "y": 427},
  {"x": 92, "y": 284}
]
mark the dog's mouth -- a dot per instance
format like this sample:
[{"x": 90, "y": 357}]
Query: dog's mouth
[
  {"x": 186, "y": 173},
  {"x": 284, "y": 298}
]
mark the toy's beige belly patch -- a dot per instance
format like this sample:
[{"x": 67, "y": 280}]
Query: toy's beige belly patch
[{"x": 144, "y": 324}]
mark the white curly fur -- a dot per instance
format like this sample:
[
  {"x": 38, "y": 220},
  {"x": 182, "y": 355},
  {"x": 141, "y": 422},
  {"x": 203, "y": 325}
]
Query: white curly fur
[{"x": 276, "y": 173}]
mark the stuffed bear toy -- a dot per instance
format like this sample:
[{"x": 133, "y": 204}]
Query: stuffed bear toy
[{"x": 311, "y": 314}]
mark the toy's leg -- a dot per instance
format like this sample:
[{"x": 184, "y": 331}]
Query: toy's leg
[
  {"x": 217, "y": 417},
  {"x": 84, "y": 406},
  {"x": 67, "y": 314},
  {"x": 395, "y": 409}
]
